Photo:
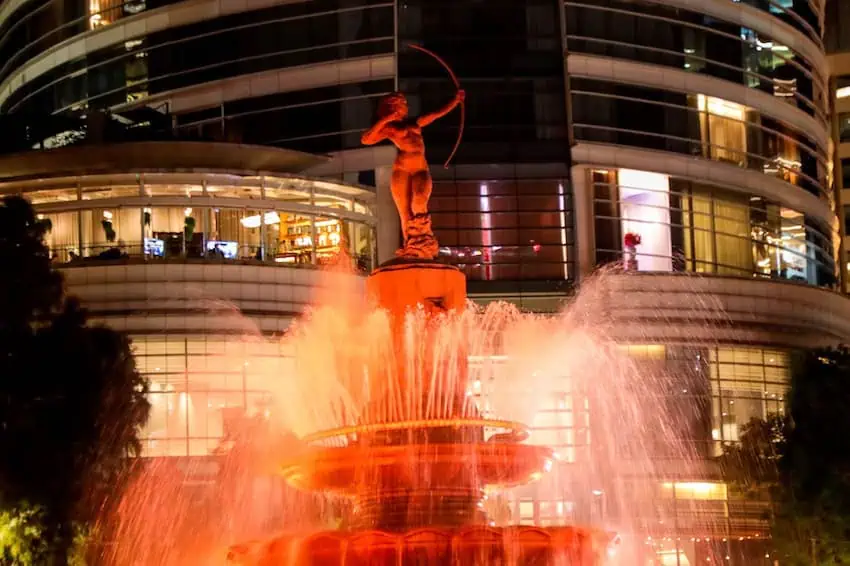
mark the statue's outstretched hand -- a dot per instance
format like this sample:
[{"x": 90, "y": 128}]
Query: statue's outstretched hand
[{"x": 460, "y": 96}]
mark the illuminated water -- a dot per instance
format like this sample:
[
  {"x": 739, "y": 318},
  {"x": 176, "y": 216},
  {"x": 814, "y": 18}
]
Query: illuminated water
[{"x": 617, "y": 425}]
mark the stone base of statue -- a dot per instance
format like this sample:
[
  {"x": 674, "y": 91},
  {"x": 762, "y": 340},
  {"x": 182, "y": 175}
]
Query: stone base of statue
[
  {"x": 403, "y": 283},
  {"x": 420, "y": 242}
]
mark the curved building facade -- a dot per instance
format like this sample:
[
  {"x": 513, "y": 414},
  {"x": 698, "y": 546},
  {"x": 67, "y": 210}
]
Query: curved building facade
[
  {"x": 666, "y": 137},
  {"x": 278, "y": 74},
  {"x": 703, "y": 132}
]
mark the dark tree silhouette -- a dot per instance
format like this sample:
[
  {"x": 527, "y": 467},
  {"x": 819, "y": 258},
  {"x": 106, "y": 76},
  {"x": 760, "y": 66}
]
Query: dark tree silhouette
[
  {"x": 812, "y": 500},
  {"x": 802, "y": 460},
  {"x": 71, "y": 399},
  {"x": 752, "y": 464}
]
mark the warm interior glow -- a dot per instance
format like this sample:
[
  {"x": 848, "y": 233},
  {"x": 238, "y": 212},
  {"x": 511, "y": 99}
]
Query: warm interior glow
[
  {"x": 644, "y": 351},
  {"x": 486, "y": 235},
  {"x": 701, "y": 491},
  {"x": 668, "y": 558},
  {"x": 645, "y": 210},
  {"x": 563, "y": 226},
  {"x": 723, "y": 129},
  {"x": 254, "y": 221},
  {"x": 721, "y": 107},
  {"x": 842, "y": 92}
]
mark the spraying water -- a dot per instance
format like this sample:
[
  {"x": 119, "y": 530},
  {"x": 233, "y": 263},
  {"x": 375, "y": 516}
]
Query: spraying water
[{"x": 618, "y": 435}]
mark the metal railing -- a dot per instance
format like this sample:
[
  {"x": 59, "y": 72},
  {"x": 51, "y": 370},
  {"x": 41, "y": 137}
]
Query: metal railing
[
  {"x": 640, "y": 51},
  {"x": 690, "y": 146},
  {"x": 104, "y": 254}
]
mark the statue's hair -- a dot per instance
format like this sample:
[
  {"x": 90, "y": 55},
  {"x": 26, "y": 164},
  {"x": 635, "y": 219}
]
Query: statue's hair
[{"x": 388, "y": 103}]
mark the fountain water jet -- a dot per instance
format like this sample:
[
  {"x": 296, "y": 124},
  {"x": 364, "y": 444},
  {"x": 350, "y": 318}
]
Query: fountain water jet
[
  {"x": 419, "y": 456},
  {"x": 367, "y": 375}
]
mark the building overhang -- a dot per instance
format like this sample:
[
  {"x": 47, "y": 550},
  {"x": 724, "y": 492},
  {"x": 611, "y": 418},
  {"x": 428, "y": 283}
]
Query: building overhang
[{"x": 186, "y": 156}]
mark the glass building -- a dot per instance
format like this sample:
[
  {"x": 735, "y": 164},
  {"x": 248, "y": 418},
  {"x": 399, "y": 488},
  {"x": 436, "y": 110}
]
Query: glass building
[
  {"x": 837, "y": 41},
  {"x": 193, "y": 156}
]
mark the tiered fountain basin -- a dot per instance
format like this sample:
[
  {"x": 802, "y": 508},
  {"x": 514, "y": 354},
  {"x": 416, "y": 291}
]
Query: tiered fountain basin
[
  {"x": 428, "y": 453},
  {"x": 474, "y": 545},
  {"x": 418, "y": 486}
]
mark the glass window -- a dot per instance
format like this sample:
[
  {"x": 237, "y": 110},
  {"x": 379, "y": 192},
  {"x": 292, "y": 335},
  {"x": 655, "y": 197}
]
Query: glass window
[
  {"x": 698, "y": 125},
  {"x": 51, "y": 195},
  {"x": 687, "y": 40},
  {"x": 180, "y": 229},
  {"x": 111, "y": 233},
  {"x": 63, "y": 239},
  {"x": 202, "y": 388},
  {"x": 225, "y": 191},
  {"x": 703, "y": 491},
  {"x": 293, "y": 239},
  {"x": 705, "y": 230},
  {"x": 645, "y": 220},
  {"x": 261, "y": 40},
  {"x": 183, "y": 190},
  {"x": 111, "y": 191},
  {"x": 329, "y": 239},
  {"x": 362, "y": 239},
  {"x": 288, "y": 189},
  {"x": 645, "y": 351},
  {"x": 746, "y": 383},
  {"x": 504, "y": 230},
  {"x": 844, "y": 127},
  {"x": 723, "y": 129}
]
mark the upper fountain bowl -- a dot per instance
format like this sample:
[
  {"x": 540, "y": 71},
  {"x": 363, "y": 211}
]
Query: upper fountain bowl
[{"x": 437, "y": 454}]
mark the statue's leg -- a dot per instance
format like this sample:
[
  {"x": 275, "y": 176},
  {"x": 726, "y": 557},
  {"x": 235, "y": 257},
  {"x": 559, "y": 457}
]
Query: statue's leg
[
  {"x": 420, "y": 237},
  {"x": 400, "y": 188},
  {"x": 421, "y": 186}
]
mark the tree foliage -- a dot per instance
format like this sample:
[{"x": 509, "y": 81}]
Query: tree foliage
[
  {"x": 812, "y": 498},
  {"x": 71, "y": 399},
  {"x": 802, "y": 459},
  {"x": 753, "y": 463}
]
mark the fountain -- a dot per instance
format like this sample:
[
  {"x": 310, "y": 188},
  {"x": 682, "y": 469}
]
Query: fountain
[
  {"x": 420, "y": 458},
  {"x": 404, "y": 430}
]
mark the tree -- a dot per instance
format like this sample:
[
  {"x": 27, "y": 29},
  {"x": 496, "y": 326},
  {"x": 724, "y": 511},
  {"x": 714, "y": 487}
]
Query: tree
[
  {"x": 812, "y": 498},
  {"x": 752, "y": 464},
  {"x": 803, "y": 461},
  {"x": 71, "y": 399}
]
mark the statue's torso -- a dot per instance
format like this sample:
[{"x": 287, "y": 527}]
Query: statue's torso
[{"x": 407, "y": 137}]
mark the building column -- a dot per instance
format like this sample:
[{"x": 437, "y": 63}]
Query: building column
[
  {"x": 585, "y": 241},
  {"x": 389, "y": 224},
  {"x": 838, "y": 189}
]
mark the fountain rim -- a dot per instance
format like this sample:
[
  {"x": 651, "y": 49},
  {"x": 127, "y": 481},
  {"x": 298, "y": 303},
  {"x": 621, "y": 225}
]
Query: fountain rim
[
  {"x": 336, "y": 469},
  {"x": 570, "y": 539},
  {"x": 519, "y": 431}
]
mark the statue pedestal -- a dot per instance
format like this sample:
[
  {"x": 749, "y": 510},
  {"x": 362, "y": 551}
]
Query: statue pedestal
[{"x": 400, "y": 285}]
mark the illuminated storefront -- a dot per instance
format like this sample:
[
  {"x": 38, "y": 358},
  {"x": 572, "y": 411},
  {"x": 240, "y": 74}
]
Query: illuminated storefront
[
  {"x": 286, "y": 220},
  {"x": 695, "y": 227}
]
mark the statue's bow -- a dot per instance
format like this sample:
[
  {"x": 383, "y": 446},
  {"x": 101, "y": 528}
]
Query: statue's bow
[{"x": 457, "y": 86}]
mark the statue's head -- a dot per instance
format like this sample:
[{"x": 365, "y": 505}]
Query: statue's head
[{"x": 393, "y": 104}]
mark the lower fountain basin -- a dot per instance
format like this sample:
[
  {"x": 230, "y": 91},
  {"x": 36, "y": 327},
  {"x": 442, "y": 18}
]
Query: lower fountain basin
[{"x": 478, "y": 545}]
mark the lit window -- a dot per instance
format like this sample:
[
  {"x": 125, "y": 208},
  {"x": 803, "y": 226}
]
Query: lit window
[{"x": 700, "y": 491}]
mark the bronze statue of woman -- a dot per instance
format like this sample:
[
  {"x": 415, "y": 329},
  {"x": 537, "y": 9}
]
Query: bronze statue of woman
[{"x": 411, "y": 177}]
